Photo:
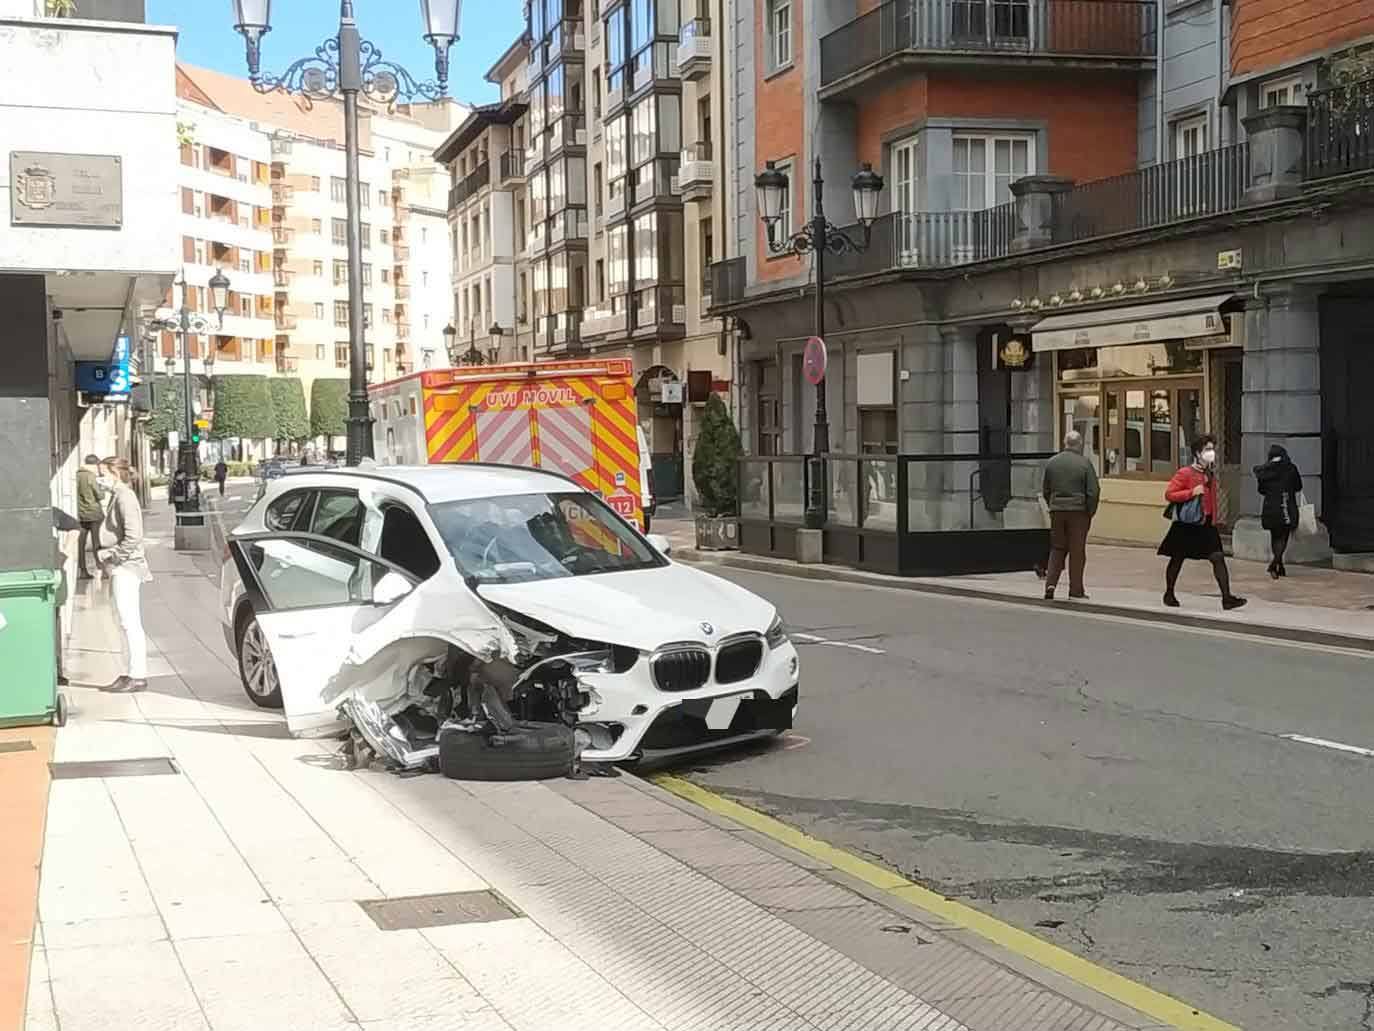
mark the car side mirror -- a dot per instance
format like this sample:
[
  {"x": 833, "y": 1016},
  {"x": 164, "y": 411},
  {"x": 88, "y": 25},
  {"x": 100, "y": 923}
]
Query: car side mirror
[
  {"x": 661, "y": 543},
  {"x": 390, "y": 588}
]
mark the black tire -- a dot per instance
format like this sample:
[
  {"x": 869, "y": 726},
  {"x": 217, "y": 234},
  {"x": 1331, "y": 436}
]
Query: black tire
[
  {"x": 59, "y": 716},
  {"x": 250, "y": 643},
  {"x": 532, "y": 751}
]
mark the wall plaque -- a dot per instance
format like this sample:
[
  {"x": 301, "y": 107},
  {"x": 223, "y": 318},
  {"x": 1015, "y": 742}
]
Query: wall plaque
[{"x": 75, "y": 191}]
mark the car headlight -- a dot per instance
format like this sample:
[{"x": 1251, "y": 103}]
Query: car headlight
[{"x": 777, "y": 633}]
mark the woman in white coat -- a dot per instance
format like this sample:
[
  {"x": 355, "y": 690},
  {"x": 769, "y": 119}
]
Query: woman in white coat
[{"x": 126, "y": 565}]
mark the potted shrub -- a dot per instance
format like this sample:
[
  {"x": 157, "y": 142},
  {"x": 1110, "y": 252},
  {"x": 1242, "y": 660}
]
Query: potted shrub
[{"x": 715, "y": 472}]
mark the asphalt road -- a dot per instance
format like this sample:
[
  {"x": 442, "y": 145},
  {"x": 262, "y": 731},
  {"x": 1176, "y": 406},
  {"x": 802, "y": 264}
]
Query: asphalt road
[{"x": 1122, "y": 789}]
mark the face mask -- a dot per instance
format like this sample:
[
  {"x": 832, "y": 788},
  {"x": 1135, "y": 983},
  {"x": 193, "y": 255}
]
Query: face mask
[
  {"x": 104, "y": 482},
  {"x": 1209, "y": 456}
]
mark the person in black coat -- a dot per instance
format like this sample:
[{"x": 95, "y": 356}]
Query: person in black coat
[{"x": 1280, "y": 483}]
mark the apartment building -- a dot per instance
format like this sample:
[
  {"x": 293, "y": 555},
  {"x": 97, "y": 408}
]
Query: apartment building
[
  {"x": 1027, "y": 275},
  {"x": 608, "y": 131},
  {"x": 225, "y": 204},
  {"x": 487, "y": 216},
  {"x": 406, "y": 269}
]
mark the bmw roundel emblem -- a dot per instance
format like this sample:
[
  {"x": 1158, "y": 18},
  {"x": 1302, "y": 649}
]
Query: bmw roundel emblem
[{"x": 707, "y": 629}]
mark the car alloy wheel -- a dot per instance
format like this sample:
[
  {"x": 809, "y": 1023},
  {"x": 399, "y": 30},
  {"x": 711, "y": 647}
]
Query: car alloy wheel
[{"x": 257, "y": 669}]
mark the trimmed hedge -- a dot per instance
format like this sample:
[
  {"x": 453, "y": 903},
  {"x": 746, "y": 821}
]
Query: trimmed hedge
[
  {"x": 288, "y": 405},
  {"x": 329, "y": 408},
  {"x": 715, "y": 459},
  {"x": 243, "y": 408}
]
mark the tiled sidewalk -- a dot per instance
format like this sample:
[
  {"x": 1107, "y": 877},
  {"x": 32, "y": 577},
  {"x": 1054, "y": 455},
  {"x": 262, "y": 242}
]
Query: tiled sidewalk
[{"x": 225, "y": 895}]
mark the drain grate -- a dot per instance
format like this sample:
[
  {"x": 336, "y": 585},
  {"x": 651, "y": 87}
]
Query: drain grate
[
  {"x": 113, "y": 768},
  {"x": 421, "y": 911},
  {"x": 16, "y": 746}
]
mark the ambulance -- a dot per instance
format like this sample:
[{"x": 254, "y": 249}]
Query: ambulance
[{"x": 575, "y": 417}]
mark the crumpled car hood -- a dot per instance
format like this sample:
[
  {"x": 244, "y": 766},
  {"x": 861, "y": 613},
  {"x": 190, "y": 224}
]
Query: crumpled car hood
[{"x": 643, "y": 608}]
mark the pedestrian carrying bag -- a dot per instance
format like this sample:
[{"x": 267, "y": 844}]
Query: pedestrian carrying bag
[
  {"x": 1188, "y": 512},
  {"x": 1307, "y": 516}
]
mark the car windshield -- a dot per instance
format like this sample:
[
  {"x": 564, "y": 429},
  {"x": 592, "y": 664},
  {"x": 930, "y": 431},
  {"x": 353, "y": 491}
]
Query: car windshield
[{"x": 527, "y": 537}]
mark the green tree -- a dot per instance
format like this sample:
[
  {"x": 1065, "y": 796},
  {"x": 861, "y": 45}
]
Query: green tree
[
  {"x": 329, "y": 408},
  {"x": 169, "y": 410},
  {"x": 715, "y": 460},
  {"x": 243, "y": 408},
  {"x": 288, "y": 405}
]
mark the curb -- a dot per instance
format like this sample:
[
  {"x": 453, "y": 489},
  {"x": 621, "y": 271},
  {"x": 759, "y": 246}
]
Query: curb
[
  {"x": 1189, "y": 619},
  {"x": 1042, "y": 962}
]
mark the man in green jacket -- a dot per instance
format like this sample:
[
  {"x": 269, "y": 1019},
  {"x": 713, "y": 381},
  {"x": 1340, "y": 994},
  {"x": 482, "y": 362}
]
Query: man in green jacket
[
  {"x": 1071, "y": 494},
  {"x": 90, "y": 512}
]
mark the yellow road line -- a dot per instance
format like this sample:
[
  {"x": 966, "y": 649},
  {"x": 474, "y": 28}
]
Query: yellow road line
[{"x": 1123, "y": 990}]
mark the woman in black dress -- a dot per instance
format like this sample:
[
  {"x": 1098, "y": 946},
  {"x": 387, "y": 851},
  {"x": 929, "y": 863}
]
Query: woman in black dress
[{"x": 1280, "y": 482}]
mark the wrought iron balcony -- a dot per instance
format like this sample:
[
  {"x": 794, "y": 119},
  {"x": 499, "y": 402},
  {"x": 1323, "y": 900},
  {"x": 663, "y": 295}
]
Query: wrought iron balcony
[
  {"x": 902, "y": 33},
  {"x": 1340, "y": 130},
  {"x": 470, "y": 184},
  {"x": 694, "y": 49}
]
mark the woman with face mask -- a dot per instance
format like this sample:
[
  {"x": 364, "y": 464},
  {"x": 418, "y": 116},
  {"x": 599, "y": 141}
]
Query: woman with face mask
[
  {"x": 127, "y": 568},
  {"x": 1280, "y": 483},
  {"x": 1192, "y": 497}
]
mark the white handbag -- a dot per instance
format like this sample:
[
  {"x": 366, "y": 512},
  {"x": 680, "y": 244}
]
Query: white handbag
[{"x": 1307, "y": 516}]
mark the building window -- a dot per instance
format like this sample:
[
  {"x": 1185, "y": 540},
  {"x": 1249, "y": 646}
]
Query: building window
[
  {"x": 319, "y": 310},
  {"x": 902, "y": 174},
  {"x": 340, "y": 356},
  {"x": 338, "y": 232},
  {"x": 367, "y": 315},
  {"x": 1190, "y": 136},
  {"x": 1289, "y": 90},
  {"x": 385, "y": 236},
  {"x": 386, "y": 275},
  {"x": 426, "y": 322},
  {"x": 319, "y": 352},
  {"x": 986, "y": 166},
  {"x": 784, "y": 228},
  {"x": 318, "y": 268},
  {"x": 338, "y": 190},
  {"x": 367, "y": 236},
  {"x": 314, "y": 184},
  {"x": 424, "y": 279},
  {"x": 316, "y": 227},
  {"x": 779, "y": 34},
  {"x": 424, "y": 234},
  {"x": 340, "y": 273},
  {"x": 341, "y": 313},
  {"x": 386, "y": 316},
  {"x": 365, "y": 195},
  {"x": 367, "y": 275}
]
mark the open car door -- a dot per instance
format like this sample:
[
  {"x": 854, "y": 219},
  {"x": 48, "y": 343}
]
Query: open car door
[{"x": 312, "y": 597}]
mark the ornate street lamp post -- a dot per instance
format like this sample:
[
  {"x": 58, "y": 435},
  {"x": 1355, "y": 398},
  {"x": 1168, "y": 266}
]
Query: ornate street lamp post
[
  {"x": 345, "y": 66},
  {"x": 183, "y": 323},
  {"x": 450, "y": 349},
  {"x": 818, "y": 237}
]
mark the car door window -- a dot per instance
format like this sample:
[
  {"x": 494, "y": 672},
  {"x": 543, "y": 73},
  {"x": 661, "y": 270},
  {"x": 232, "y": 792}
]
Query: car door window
[
  {"x": 296, "y": 574},
  {"x": 283, "y": 513},
  {"x": 405, "y": 542},
  {"x": 338, "y": 514}
]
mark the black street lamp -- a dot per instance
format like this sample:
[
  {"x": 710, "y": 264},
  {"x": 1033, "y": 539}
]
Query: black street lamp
[
  {"x": 497, "y": 331},
  {"x": 818, "y": 237},
  {"x": 346, "y": 65},
  {"x": 183, "y": 323},
  {"x": 450, "y": 350}
]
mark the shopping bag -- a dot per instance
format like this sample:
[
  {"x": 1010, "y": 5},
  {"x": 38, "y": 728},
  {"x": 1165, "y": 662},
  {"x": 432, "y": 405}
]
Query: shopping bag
[{"x": 1307, "y": 516}]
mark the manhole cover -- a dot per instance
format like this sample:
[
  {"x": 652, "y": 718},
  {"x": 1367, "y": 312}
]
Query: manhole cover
[
  {"x": 420, "y": 911},
  {"x": 113, "y": 768},
  {"x": 16, "y": 746}
]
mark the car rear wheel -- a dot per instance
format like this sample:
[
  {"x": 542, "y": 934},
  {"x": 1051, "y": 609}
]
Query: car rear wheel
[{"x": 257, "y": 669}]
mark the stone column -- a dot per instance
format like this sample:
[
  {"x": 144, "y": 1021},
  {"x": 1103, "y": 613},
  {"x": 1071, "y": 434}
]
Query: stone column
[
  {"x": 1281, "y": 404},
  {"x": 1277, "y": 145},
  {"x": 1035, "y": 202},
  {"x": 26, "y": 412}
]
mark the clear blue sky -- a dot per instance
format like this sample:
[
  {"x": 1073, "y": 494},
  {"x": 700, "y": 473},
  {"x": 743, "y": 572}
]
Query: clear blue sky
[{"x": 208, "y": 38}]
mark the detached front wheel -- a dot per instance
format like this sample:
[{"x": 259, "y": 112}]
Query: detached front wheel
[
  {"x": 528, "y": 751},
  {"x": 257, "y": 668}
]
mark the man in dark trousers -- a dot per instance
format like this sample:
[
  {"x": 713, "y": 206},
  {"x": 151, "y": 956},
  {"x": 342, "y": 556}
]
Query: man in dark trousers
[
  {"x": 1071, "y": 494},
  {"x": 221, "y": 474},
  {"x": 90, "y": 512}
]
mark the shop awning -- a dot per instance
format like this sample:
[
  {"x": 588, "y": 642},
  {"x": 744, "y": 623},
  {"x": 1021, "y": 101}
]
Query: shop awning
[{"x": 1136, "y": 324}]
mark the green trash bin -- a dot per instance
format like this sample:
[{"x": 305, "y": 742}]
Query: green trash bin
[{"x": 28, "y": 649}]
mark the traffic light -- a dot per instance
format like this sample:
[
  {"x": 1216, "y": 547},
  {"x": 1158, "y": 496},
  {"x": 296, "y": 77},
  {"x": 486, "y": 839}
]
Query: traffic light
[{"x": 195, "y": 434}]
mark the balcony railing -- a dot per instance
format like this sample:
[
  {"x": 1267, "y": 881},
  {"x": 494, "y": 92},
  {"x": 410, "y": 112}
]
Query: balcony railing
[
  {"x": 694, "y": 49},
  {"x": 471, "y": 183},
  {"x": 697, "y": 170},
  {"x": 1206, "y": 184},
  {"x": 1111, "y": 29},
  {"x": 569, "y": 130},
  {"x": 657, "y": 62},
  {"x": 403, "y": 293},
  {"x": 1340, "y": 130},
  {"x": 287, "y": 322},
  {"x": 512, "y": 165},
  {"x": 286, "y": 364},
  {"x": 600, "y": 321},
  {"x": 567, "y": 39},
  {"x": 661, "y": 306}
]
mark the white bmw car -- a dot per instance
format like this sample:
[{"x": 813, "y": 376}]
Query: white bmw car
[{"x": 500, "y": 621}]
